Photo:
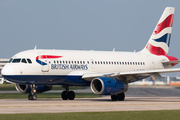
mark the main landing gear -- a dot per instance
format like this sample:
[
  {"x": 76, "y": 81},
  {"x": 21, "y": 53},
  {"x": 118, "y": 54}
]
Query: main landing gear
[
  {"x": 32, "y": 95},
  {"x": 119, "y": 97},
  {"x": 67, "y": 94}
]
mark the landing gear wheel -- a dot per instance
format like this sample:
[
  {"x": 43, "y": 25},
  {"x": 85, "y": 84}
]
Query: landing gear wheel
[
  {"x": 29, "y": 97},
  {"x": 64, "y": 95},
  {"x": 32, "y": 97},
  {"x": 113, "y": 98},
  {"x": 71, "y": 95},
  {"x": 121, "y": 96}
]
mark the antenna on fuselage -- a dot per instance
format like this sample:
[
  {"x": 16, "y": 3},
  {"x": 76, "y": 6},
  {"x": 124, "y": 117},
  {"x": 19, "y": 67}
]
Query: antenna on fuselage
[
  {"x": 35, "y": 47},
  {"x": 113, "y": 49}
]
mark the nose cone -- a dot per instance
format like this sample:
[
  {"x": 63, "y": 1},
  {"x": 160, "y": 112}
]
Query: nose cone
[{"x": 7, "y": 70}]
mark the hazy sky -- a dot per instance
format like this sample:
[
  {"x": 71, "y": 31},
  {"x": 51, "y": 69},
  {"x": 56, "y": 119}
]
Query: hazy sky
[{"x": 83, "y": 24}]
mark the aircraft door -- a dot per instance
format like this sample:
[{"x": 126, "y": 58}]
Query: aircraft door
[
  {"x": 151, "y": 61},
  {"x": 92, "y": 64},
  {"x": 44, "y": 62}
]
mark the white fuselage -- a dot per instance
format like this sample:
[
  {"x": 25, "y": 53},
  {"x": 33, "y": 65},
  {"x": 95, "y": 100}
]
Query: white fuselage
[{"x": 77, "y": 63}]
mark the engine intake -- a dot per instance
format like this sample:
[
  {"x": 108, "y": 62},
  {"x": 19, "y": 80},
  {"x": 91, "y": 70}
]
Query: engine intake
[{"x": 108, "y": 86}]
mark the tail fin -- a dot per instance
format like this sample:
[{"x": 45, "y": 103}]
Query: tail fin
[{"x": 159, "y": 41}]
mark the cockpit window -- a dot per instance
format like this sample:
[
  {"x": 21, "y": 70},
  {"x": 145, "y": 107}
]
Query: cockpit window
[
  {"x": 16, "y": 60},
  {"x": 10, "y": 60},
  {"x": 29, "y": 61},
  {"x": 23, "y": 61}
]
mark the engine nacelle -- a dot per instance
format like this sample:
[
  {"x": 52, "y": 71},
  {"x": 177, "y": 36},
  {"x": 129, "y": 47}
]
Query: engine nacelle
[
  {"x": 108, "y": 86},
  {"x": 26, "y": 88}
]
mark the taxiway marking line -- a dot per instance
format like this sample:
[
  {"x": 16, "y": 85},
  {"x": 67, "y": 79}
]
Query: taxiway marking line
[{"x": 91, "y": 105}]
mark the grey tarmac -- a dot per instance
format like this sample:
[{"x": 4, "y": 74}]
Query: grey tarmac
[{"x": 138, "y": 98}]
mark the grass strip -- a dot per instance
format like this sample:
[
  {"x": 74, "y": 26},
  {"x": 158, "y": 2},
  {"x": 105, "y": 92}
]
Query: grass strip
[
  {"x": 120, "y": 115},
  {"x": 44, "y": 95}
]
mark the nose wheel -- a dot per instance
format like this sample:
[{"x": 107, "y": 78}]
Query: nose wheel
[
  {"x": 32, "y": 95},
  {"x": 68, "y": 94}
]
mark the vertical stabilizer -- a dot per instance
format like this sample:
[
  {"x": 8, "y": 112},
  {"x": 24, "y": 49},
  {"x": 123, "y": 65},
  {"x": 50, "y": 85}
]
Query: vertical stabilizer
[{"x": 159, "y": 41}]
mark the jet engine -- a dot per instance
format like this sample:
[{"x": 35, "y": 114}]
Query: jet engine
[
  {"x": 108, "y": 86},
  {"x": 26, "y": 88}
]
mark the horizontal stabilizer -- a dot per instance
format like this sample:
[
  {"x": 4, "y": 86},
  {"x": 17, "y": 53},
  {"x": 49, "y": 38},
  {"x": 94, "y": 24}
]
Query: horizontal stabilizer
[{"x": 169, "y": 62}]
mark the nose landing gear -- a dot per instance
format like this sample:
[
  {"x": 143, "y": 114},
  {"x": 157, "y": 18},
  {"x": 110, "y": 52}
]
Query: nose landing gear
[{"x": 32, "y": 95}]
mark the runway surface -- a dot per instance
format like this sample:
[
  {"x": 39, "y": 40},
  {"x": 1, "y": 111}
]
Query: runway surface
[{"x": 137, "y": 98}]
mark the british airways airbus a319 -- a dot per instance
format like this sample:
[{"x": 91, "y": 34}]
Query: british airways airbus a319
[{"x": 35, "y": 71}]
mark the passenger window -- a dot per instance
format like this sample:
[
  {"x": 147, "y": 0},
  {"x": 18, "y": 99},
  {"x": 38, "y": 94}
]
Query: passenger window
[
  {"x": 95, "y": 62},
  {"x": 114, "y": 62},
  {"x": 117, "y": 63},
  {"x": 83, "y": 62},
  {"x": 57, "y": 61},
  {"x": 74, "y": 62},
  {"x": 109, "y": 62},
  {"x": 120, "y": 63},
  {"x": 106, "y": 62},
  {"x": 123, "y": 63},
  {"x": 16, "y": 60},
  {"x": 60, "y": 62},
  {"x": 92, "y": 62},
  {"x": 87, "y": 62},
  {"x": 23, "y": 61},
  {"x": 29, "y": 61},
  {"x": 77, "y": 62}
]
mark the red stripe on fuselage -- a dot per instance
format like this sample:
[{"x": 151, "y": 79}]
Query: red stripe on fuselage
[
  {"x": 47, "y": 57},
  {"x": 155, "y": 50},
  {"x": 168, "y": 22},
  {"x": 171, "y": 58},
  {"x": 159, "y": 51}
]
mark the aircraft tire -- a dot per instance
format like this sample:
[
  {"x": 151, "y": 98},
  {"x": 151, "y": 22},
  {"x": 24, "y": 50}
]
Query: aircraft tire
[
  {"x": 121, "y": 96},
  {"x": 29, "y": 97},
  {"x": 113, "y": 97},
  {"x": 34, "y": 97},
  {"x": 71, "y": 95},
  {"x": 64, "y": 95}
]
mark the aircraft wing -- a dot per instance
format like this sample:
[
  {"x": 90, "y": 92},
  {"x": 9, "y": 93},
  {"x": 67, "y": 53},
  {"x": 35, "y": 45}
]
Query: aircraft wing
[{"x": 130, "y": 75}]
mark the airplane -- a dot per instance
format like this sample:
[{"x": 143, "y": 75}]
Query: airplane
[{"x": 106, "y": 72}]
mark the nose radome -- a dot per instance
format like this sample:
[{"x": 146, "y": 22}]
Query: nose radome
[{"x": 7, "y": 70}]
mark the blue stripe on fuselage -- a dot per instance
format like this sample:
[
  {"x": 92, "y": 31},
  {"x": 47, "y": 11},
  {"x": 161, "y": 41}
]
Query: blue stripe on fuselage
[{"x": 48, "y": 80}]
